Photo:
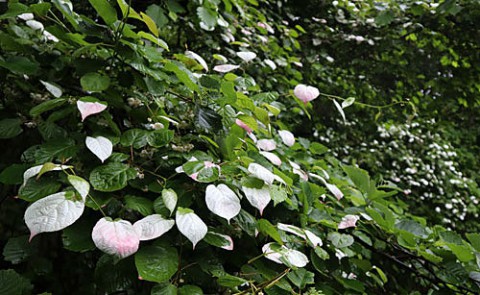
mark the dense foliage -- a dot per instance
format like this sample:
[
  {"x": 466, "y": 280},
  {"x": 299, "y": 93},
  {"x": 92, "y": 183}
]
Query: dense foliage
[{"x": 174, "y": 148}]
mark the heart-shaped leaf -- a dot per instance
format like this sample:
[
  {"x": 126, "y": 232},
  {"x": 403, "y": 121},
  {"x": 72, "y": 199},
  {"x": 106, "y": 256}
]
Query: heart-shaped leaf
[
  {"x": 152, "y": 227},
  {"x": 52, "y": 213},
  {"x": 222, "y": 201},
  {"x": 258, "y": 198},
  {"x": 190, "y": 225},
  {"x": 87, "y": 108},
  {"x": 170, "y": 198},
  {"x": 117, "y": 238},
  {"x": 81, "y": 185},
  {"x": 100, "y": 146}
]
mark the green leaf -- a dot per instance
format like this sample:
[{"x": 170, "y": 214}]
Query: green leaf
[
  {"x": 105, "y": 10},
  {"x": 473, "y": 238},
  {"x": 112, "y": 276},
  {"x": 78, "y": 236},
  {"x": 46, "y": 106},
  {"x": 340, "y": 240},
  {"x": 207, "y": 16},
  {"x": 384, "y": 18},
  {"x": 301, "y": 277},
  {"x": 230, "y": 281},
  {"x": 247, "y": 222},
  {"x": 14, "y": 9},
  {"x": 40, "y": 9},
  {"x": 111, "y": 177},
  {"x": 142, "y": 205},
  {"x": 12, "y": 283},
  {"x": 360, "y": 178},
  {"x": 412, "y": 227},
  {"x": 17, "y": 250},
  {"x": 268, "y": 229},
  {"x": 164, "y": 289},
  {"x": 278, "y": 194},
  {"x": 249, "y": 121},
  {"x": 208, "y": 119},
  {"x": 156, "y": 263},
  {"x": 94, "y": 82},
  {"x": 37, "y": 189},
  {"x": 134, "y": 137},
  {"x": 210, "y": 82},
  {"x": 13, "y": 174},
  {"x": 182, "y": 75},
  {"x": 160, "y": 137},
  {"x": 20, "y": 65},
  {"x": 190, "y": 290},
  {"x": 10, "y": 128}
]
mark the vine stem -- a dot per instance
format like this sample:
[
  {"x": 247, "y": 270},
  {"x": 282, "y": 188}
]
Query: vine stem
[{"x": 331, "y": 97}]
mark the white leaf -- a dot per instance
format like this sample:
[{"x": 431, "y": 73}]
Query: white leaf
[
  {"x": 225, "y": 68},
  {"x": 291, "y": 229},
  {"x": 271, "y": 64},
  {"x": 81, "y": 185},
  {"x": 170, "y": 198},
  {"x": 348, "y": 221},
  {"x": 334, "y": 190},
  {"x": 246, "y": 56},
  {"x": 90, "y": 108},
  {"x": 53, "y": 89},
  {"x": 198, "y": 58},
  {"x": 340, "y": 110},
  {"x": 296, "y": 258},
  {"x": 117, "y": 238},
  {"x": 258, "y": 198},
  {"x": 25, "y": 16},
  {"x": 35, "y": 25},
  {"x": 190, "y": 225},
  {"x": 274, "y": 159},
  {"x": 313, "y": 239},
  {"x": 261, "y": 172},
  {"x": 152, "y": 227},
  {"x": 33, "y": 171},
  {"x": 100, "y": 146},
  {"x": 269, "y": 253},
  {"x": 348, "y": 102},
  {"x": 287, "y": 137},
  {"x": 222, "y": 201},
  {"x": 267, "y": 145},
  {"x": 306, "y": 93},
  {"x": 52, "y": 213}
]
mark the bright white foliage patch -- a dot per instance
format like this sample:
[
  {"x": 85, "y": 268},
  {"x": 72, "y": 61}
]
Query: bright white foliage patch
[
  {"x": 81, "y": 185},
  {"x": 261, "y": 172},
  {"x": 52, "y": 213},
  {"x": 287, "y": 137},
  {"x": 258, "y": 198},
  {"x": 225, "y": 68},
  {"x": 291, "y": 229},
  {"x": 227, "y": 238},
  {"x": 152, "y": 227},
  {"x": 313, "y": 239},
  {"x": 90, "y": 108},
  {"x": 348, "y": 221},
  {"x": 117, "y": 238},
  {"x": 267, "y": 145},
  {"x": 170, "y": 198},
  {"x": 274, "y": 159},
  {"x": 100, "y": 146},
  {"x": 198, "y": 58},
  {"x": 190, "y": 225},
  {"x": 281, "y": 254},
  {"x": 33, "y": 171},
  {"x": 222, "y": 201},
  {"x": 246, "y": 56},
  {"x": 306, "y": 93}
]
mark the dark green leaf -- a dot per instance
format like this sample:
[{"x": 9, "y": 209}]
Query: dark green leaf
[
  {"x": 78, "y": 236},
  {"x": 11, "y": 283},
  {"x": 46, "y": 106},
  {"x": 111, "y": 177},
  {"x": 135, "y": 137},
  {"x": 10, "y": 128},
  {"x": 20, "y": 65},
  {"x": 160, "y": 137},
  {"x": 301, "y": 277},
  {"x": 105, "y": 10},
  {"x": 37, "y": 189},
  {"x": 208, "y": 119},
  {"x": 13, "y": 174},
  {"x": 164, "y": 289},
  {"x": 17, "y": 250},
  {"x": 94, "y": 82},
  {"x": 190, "y": 290},
  {"x": 142, "y": 205},
  {"x": 156, "y": 263},
  {"x": 112, "y": 276},
  {"x": 268, "y": 229},
  {"x": 340, "y": 240}
]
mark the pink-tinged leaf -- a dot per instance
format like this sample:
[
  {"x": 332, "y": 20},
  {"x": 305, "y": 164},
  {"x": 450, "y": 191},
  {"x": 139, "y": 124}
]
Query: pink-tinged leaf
[
  {"x": 334, "y": 190},
  {"x": 269, "y": 253},
  {"x": 225, "y": 68},
  {"x": 90, "y": 108},
  {"x": 52, "y": 213},
  {"x": 298, "y": 171},
  {"x": 258, "y": 198},
  {"x": 190, "y": 225},
  {"x": 198, "y": 58},
  {"x": 152, "y": 227},
  {"x": 243, "y": 125},
  {"x": 228, "y": 239},
  {"x": 348, "y": 221},
  {"x": 222, "y": 201},
  {"x": 117, "y": 238},
  {"x": 100, "y": 146},
  {"x": 274, "y": 159},
  {"x": 306, "y": 93},
  {"x": 287, "y": 137},
  {"x": 247, "y": 56},
  {"x": 267, "y": 145}
]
